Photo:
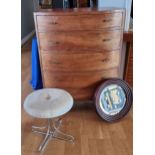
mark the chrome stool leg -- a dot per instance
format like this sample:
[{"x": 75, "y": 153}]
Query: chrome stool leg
[
  {"x": 38, "y": 130},
  {"x": 52, "y": 131},
  {"x": 58, "y": 122},
  {"x": 35, "y": 129},
  {"x": 60, "y": 135},
  {"x": 46, "y": 139}
]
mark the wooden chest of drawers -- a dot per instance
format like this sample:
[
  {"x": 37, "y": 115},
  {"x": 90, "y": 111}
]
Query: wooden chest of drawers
[{"x": 79, "y": 48}]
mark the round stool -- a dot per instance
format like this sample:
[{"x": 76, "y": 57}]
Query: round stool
[{"x": 50, "y": 104}]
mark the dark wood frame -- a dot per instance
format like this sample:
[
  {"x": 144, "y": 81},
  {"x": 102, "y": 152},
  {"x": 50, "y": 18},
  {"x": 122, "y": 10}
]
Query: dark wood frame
[{"x": 128, "y": 104}]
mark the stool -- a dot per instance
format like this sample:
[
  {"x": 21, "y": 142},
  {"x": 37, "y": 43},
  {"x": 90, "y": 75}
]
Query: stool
[{"x": 49, "y": 104}]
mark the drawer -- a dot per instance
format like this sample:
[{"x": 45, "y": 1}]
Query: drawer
[
  {"x": 79, "y": 22},
  {"x": 77, "y": 79},
  {"x": 80, "y": 61},
  {"x": 81, "y": 40},
  {"x": 80, "y": 94}
]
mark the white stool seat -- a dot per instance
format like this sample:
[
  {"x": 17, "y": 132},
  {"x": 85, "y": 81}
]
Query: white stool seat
[{"x": 48, "y": 103}]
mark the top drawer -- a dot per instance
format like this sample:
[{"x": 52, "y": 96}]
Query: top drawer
[{"x": 79, "y": 22}]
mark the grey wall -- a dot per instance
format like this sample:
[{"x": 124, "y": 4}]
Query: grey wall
[{"x": 27, "y": 22}]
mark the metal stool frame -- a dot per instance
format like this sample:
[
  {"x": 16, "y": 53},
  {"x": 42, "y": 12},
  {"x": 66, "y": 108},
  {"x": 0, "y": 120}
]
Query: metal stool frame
[{"x": 52, "y": 131}]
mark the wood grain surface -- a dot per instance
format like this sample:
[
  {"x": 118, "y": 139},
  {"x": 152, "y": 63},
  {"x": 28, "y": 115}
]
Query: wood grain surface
[
  {"x": 78, "y": 48},
  {"x": 81, "y": 40},
  {"x": 74, "y": 22},
  {"x": 77, "y": 79},
  {"x": 80, "y": 61}
]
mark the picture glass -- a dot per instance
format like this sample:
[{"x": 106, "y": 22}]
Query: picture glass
[{"x": 112, "y": 99}]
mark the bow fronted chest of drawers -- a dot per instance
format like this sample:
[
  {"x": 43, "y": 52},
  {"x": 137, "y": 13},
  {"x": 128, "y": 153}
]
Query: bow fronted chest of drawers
[{"x": 79, "y": 48}]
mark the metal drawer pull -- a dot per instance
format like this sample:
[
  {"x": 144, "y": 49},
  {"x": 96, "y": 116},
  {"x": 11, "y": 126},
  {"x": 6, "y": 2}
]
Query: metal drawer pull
[
  {"x": 104, "y": 40},
  {"x": 54, "y": 62},
  {"x": 53, "y": 23},
  {"x": 106, "y": 60},
  {"x": 107, "y": 20},
  {"x": 54, "y": 43}
]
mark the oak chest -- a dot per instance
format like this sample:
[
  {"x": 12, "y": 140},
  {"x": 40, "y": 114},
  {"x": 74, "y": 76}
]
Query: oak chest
[{"x": 79, "y": 48}]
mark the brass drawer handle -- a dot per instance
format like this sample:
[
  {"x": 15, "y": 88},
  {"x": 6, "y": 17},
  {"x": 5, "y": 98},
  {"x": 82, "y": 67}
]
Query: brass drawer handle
[
  {"x": 107, "y": 20},
  {"x": 53, "y": 23},
  {"x": 106, "y": 60},
  {"x": 54, "y": 62},
  {"x": 54, "y": 42},
  {"x": 104, "y": 40}
]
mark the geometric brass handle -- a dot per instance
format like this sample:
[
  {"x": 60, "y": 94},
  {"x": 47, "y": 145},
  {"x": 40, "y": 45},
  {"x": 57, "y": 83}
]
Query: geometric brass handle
[
  {"x": 107, "y": 20},
  {"x": 106, "y": 60},
  {"x": 54, "y": 42},
  {"x": 54, "y": 62},
  {"x": 107, "y": 39},
  {"x": 53, "y": 23}
]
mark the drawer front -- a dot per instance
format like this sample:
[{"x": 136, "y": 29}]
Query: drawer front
[
  {"x": 80, "y": 94},
  {"x": 77, "y": 79},
  {"x": 79, "y": 40},
  {"x": 82, "y": 22},
  {"x": 82, "y": 61}
]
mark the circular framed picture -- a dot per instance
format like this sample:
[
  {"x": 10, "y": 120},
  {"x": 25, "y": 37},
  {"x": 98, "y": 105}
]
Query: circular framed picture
[{"x": 113, "y": 99}]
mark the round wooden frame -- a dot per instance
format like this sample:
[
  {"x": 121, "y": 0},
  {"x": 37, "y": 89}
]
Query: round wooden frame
[{"x": 128, "y": 103}]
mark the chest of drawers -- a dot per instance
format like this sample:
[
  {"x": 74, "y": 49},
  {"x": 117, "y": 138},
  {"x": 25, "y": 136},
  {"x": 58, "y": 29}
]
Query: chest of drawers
[{"x": 79, "y": 48}]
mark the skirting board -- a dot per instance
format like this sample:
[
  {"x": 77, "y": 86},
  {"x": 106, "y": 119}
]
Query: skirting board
[{"x": 27, "y": 37}]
